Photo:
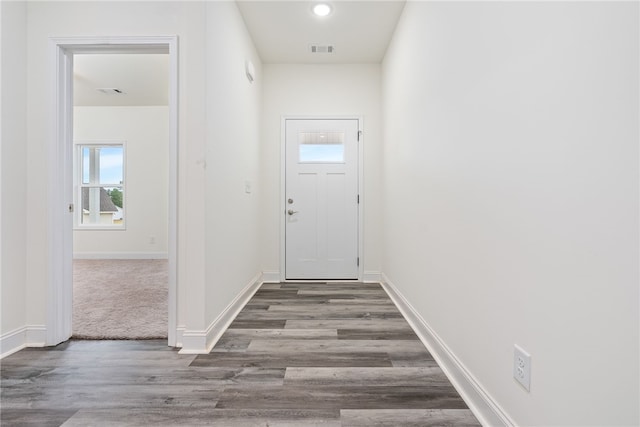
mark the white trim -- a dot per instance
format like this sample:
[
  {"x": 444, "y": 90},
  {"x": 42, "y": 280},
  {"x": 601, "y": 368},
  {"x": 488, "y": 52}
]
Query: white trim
[
  {"x": 36, "y": 335},
  {"x": 372, "y": 277},
  {"x": 484, "y": 407},
  {"x": 59, "y": 291},
  {"x": 179, "y": 334},
  {"x": 361, "y": 198},
  {"x": 13, "y": 341},
  {"x": 27, "y": 336},
  {"x": 270, "y": 277},
  {"x": 201, "y": 342},
  {"x": 120, "y": 255},
  {"x": 283, "y": 168},
  {"x": 283, "y": 194}
]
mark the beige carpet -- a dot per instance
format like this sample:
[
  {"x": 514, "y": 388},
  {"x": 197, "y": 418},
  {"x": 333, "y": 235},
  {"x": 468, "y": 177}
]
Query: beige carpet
[{"x": 120, "y": 299}]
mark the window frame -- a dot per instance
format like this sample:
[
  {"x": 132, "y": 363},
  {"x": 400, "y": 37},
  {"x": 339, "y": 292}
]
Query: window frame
[{"x": 78, "y": 185}]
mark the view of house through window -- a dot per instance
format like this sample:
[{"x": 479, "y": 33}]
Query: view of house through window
[{"x": 101, "y": 185}]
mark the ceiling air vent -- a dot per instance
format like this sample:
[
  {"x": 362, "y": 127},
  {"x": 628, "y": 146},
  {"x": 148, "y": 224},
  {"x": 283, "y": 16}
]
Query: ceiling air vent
[
  {"x": 317, "y": 48},
  {"x": 110, "y": 91}
]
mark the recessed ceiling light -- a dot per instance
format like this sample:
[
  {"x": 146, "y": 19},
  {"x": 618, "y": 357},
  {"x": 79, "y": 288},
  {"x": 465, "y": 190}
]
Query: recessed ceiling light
[{"x": 321, "y": 9}]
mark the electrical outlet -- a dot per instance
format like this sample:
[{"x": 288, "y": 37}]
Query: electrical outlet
[{"x": 522, "y": 367}]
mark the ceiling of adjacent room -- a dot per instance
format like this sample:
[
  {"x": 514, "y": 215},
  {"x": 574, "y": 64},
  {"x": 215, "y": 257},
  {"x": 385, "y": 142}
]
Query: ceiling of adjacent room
[
  {"x": 282, "y": 32},
  {"x": 143, "y": 79}
]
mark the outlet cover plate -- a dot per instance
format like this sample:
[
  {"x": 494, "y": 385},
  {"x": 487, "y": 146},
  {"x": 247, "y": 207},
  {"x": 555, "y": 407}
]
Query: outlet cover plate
[{"x": 522, "y": 367}]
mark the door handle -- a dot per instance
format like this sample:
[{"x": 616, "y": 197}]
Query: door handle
[{"x": 291, "y": 212}]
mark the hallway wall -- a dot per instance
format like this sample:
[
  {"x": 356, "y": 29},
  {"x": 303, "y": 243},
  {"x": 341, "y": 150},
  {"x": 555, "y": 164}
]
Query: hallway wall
[
  {"x": 511, "y": 144},
  {"x": 13, "y": 176},
  {"x": 233, "y": 216},
  {"x": 218, "y": 125},
  {"x": 322, "y": 90}
]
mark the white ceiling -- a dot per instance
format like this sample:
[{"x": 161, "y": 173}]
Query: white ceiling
[
  {"x": 282, "y": 32},
  {"x": 144, "y": 79}
]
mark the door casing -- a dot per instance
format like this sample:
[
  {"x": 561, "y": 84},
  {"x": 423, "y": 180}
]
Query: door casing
[
  {"x": 59, "y": 301},
  {"x": 283, "y": 205}
]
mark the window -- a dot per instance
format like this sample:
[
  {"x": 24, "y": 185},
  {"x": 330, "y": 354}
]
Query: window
[
  {"x": 100, "y": 186},
  {"x": 321, "y": 147}
]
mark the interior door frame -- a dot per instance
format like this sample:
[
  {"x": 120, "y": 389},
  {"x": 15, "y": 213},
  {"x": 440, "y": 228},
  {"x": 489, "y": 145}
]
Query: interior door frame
[
  {"x": 59, "y": 299},
  {"x": 283, "y": 189}
]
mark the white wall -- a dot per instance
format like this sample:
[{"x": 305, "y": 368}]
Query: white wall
[
  {"x": 13, "y": 161},
  {"x": 233, "y": 217},
  {"x": 145, "y": 132},
  {"x": 511, "y": 144},
  {"x": 297, "y": 89},
  {"x": 59, "y": 19}
]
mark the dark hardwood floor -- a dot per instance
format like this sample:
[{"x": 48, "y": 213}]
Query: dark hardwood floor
[{"x": 297, "y": 355}]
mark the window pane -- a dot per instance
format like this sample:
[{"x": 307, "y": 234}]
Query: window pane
[
  {"x": 103, "y": 165},
  {"x": 111, "y": 165},
  {"x": 321, "y": 147},
  {"x": 85, "y": 165},
  {"x": 102, "y": 206}
]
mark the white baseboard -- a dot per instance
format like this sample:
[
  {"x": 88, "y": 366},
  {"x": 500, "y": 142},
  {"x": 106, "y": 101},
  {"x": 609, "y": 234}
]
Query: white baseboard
[
  {"x": 13, "y": 341},
  {"x": 270, "y": 277},
  {"x": 368, "y": 277},
  {"x": 120, "y": 255},
  {"x": 36, "y": 336},
  {"x": 488, "y": 412},
  {"x": 201, "y": 342},
  {"x": 179, "y": 334},
  {"x": 372, "y": 277},
  {"x": 16, "y": 340}
]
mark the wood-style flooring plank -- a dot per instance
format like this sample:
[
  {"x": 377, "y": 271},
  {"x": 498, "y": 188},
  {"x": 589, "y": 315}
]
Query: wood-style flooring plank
[
  {"x": 351, "y": 376},
  {"x": 408, "y": 418},
  {"x": 34, "y": 417},
  {"x": 171, "y": 417},
  {"x": 350, "y": 292},
  {"x": 112, "y": 396},
  {"x": 348, "y": 324},
  {"x": 330, "y": 309},
  {"x": 390, "y": 347},
  {"x": 348, "y": 397},
  {"x": 284, "y": 360},
  {"x": 99, "y": 376},
  {"x": 278, "y": 334},
  {"x": 257, "y": 324},
  {"x": 363, "y": 313},
  {"x": 377, "y": 334}
]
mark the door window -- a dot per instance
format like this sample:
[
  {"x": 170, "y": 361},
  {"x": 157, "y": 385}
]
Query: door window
[{"x": 321, "y": 147}]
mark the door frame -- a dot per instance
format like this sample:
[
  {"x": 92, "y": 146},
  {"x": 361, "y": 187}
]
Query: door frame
[
  {"x": 283, "y": 182},
  {"x": 59, "y": 300}
]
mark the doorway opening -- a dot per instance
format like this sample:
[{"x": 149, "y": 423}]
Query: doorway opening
[
  {"x": 120, "y": 194},
  {"x": 77, "y": 205}
]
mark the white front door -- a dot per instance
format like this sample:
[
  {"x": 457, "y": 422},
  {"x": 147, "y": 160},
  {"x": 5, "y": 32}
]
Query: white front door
[{"x": 321, "y": 199}]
